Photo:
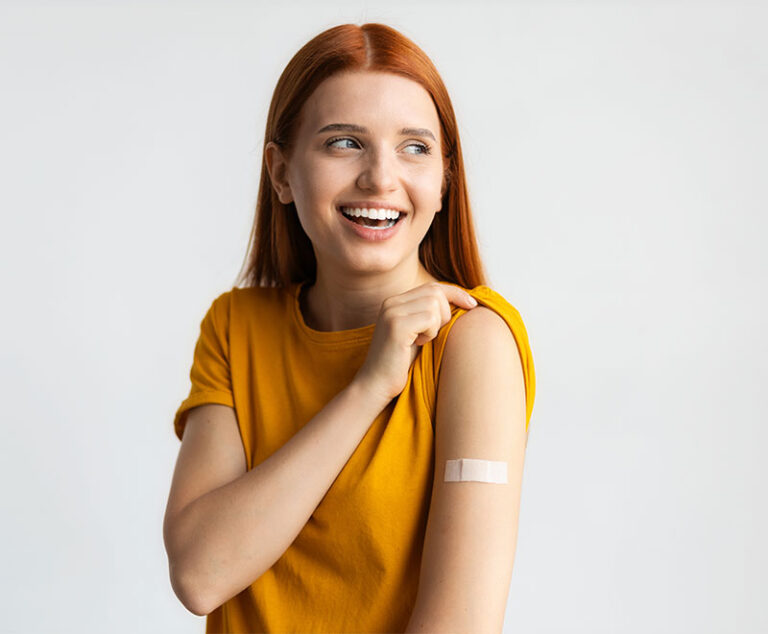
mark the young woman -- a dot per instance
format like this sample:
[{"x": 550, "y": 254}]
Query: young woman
[{"x": 334, "y": 393}]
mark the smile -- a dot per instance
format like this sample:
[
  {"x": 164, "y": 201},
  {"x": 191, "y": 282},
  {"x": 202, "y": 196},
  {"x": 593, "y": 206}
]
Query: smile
[
  {"x": 373, "y": 227},
  {"x": 372, "y": 218}
]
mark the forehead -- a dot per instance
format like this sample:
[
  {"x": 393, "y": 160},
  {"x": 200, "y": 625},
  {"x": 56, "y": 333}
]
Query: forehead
[{"x": 371, "y": 99}]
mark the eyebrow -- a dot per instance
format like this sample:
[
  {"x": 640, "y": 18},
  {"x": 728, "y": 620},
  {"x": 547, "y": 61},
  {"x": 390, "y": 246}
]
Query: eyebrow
[{"x": 351, "y": 127}]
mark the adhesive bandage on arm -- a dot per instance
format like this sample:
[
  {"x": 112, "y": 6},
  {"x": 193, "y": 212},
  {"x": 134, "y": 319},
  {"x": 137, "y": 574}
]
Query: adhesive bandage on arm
[{"x": 471, "y": 469}]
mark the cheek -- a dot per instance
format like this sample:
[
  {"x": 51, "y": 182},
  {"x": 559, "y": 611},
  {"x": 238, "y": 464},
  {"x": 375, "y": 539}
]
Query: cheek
[
  {"x": 320, "y": 181},
  {"x": 428, "y": 184}
]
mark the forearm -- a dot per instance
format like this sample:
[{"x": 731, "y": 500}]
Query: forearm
[{"x": 227, "y": 538}]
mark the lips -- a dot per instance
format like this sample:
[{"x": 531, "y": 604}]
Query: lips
[
  {"x": 365, "y": 222},
  {"x": 371, "y": 205},
  {"x": 368, "y": 233},
  {"x": 356, "y": 218}
]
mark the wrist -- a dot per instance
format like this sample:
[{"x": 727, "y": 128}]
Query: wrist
[{"x": 367, "y": 394}]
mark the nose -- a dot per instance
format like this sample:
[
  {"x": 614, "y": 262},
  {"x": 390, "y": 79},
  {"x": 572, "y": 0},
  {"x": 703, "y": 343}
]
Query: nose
[{"x": 378, "y": 173}]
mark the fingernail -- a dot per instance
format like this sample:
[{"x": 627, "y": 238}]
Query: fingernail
[{"x": 472, "y": 300}]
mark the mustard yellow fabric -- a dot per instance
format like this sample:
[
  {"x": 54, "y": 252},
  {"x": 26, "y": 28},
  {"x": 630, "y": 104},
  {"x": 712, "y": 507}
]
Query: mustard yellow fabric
[{"x": 354, "y": 567}]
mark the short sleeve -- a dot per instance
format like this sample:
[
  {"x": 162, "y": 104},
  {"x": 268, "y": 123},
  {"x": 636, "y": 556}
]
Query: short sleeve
[{"x": 210, "y": 374}]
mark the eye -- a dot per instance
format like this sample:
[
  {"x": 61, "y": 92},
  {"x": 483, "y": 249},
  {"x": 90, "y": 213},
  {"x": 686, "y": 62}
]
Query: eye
[
  {"x": 422, "y": 148},
  {"x": 425, "y": 149},
  {"x": 338, "y": 140}
]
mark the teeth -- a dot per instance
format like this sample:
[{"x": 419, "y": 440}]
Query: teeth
[{"x": 374, "y": 214}]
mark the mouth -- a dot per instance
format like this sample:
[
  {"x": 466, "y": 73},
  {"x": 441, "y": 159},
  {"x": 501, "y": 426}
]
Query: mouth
[{"x": 383, "y": 218}]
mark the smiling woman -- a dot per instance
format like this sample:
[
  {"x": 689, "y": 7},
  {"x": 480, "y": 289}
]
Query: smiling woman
[{"x": 362, "y": 357}]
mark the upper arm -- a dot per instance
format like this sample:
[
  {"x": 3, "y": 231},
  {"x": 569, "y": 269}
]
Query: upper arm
[
  {"x": 471, "y": 533},
  {"x": 211, "y": 455}
]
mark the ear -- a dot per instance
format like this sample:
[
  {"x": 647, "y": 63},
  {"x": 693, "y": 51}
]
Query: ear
[{"x": 277, "y": 166}]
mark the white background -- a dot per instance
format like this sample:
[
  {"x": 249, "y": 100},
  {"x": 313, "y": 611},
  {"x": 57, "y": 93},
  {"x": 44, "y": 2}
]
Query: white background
[{"x": 616, "y": 155}]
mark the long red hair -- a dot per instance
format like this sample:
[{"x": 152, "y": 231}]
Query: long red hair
[{"x": 279, "y": 251}]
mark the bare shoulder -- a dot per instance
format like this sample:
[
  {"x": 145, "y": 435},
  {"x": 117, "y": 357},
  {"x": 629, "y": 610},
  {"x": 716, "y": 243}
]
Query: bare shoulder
[
  {"x": 476, "y": 332},
  {"x": 482, "y": 358}
]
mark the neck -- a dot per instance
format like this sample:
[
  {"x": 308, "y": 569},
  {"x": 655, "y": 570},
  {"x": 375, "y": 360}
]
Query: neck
[{"x": 332, "y": 304}]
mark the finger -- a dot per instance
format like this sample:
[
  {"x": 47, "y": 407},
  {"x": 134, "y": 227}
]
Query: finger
[
  {"x": 450, "y": 292},
  {"x": 458, "y": 296},
  {"x": 445, "y": 308},
  {"x": 434, "y": 302},
  {"x": 423, "y": 290},
  {"x": 419, "y": 327}
]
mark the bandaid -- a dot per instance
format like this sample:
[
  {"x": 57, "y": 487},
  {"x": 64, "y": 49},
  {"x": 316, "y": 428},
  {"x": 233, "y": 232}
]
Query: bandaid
[{"x": 464, "y": 469}]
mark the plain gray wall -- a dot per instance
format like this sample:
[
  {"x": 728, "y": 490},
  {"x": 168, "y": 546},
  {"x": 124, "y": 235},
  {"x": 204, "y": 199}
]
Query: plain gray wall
[{"x": 617, "y": 167}]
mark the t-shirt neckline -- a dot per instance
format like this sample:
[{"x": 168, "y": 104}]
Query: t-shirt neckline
[{"x": 362, "y": 334}]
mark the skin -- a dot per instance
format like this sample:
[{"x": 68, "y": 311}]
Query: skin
[{"x": 354, "y": 276}]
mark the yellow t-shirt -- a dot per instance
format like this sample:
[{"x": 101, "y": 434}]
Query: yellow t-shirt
[{"x": 354, "y": 567}]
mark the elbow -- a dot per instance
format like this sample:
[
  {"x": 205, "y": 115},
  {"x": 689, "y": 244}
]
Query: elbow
[
  {"x": 185, "y": 584},
  {"x": 187, "y": 591}
]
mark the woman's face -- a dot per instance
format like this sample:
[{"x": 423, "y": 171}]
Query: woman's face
[{"x": 365, "y": 139}]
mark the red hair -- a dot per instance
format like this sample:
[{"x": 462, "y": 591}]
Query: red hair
[{"x": 283, "y": 252}]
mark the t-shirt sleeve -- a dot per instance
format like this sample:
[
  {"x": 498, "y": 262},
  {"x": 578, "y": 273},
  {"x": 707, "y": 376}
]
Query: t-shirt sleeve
[{"x": 211, "y": 372}]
